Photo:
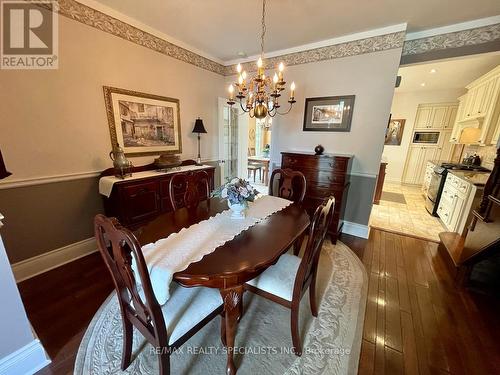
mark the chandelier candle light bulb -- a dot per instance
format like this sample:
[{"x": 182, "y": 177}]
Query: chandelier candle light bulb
[{"x": 261, "y": 92}]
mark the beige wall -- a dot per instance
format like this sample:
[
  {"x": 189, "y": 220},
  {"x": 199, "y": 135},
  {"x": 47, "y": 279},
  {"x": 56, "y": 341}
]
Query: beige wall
[
  {"x": 371, "y": 78},
  {"x": 404, "y": 106},
  {"x": 54, "y": 122}
]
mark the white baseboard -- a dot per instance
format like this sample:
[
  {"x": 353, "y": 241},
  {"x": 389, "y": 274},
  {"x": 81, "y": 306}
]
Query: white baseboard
[
  {"x": 25, "y": 361},
  {"x": 355, "y": 229},
  {"x": 28, "y": 268}
]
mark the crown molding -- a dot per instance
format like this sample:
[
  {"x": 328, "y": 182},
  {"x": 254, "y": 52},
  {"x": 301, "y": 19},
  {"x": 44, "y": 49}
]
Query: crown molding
[
  {"x": 100, "y": 20},
  {"x": 452, "y": 40},
  {"x": 474, "y": 24},
  {"x": 350, "y": 48},
  {"x": 324, "y": 43},
  {"x": 142, "y": 26},
  {"x": 106, "y": 19}
]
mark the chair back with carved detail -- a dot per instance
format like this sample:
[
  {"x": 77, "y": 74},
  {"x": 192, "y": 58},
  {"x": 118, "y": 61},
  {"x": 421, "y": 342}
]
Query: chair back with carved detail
[
  {"x": 118, "y": 246},
  {"x": 188, "y": 189},
  {"x": 316, "y": 235},
  {"x": 290, "y": 185}
]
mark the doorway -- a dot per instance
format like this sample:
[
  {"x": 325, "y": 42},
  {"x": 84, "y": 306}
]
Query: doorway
[
  {"x": 258, "y": 155},
  {"x": 233, "y": 141}
]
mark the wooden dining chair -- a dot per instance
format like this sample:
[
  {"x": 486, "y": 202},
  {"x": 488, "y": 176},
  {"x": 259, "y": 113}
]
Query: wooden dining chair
[
  {"x": 287, "y": 281},
  {"x": 188, "y": 189},
  {"x": 165, "y": 327},
  {"x": 289, "y": 185}
]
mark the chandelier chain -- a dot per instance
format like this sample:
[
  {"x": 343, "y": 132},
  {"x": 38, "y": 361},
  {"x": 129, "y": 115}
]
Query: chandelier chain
[
  {"x": 260, "y": 96},
  {"x": 263, "y": 28}
]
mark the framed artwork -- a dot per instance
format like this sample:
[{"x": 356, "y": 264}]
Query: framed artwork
[
  {"x": 143, "y": 124},
  {"x": 394, "y": 132},
  {"x": 329, "y": 114}
]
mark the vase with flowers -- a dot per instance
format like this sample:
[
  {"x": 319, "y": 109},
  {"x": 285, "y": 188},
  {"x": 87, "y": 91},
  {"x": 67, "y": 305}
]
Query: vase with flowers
[{"x": 238, "y": 192}]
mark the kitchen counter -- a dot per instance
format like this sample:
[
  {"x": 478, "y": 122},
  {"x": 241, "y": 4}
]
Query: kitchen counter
[{"x": 475, "y": 178}]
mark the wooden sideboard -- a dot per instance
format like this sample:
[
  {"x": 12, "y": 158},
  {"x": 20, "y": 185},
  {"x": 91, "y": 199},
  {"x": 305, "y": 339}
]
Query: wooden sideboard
[
  {"x": 134, "y": 202},
  {"x": 380, "y": 183},
  {"x": 326, "y": 175}
]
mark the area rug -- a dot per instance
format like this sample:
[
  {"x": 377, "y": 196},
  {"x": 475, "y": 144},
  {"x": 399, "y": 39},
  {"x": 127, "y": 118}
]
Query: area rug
[
  {"x": 393, "y": 197},
  {"x": 332, "y": 341}
]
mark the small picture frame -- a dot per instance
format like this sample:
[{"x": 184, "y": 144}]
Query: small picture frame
[
  {"x": 329, "y": 113},
  {"x": 394, "y": 132}
]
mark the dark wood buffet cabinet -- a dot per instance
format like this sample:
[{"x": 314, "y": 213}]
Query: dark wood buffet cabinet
[
  {"x": 326, "y": 175},
  {"x": 134, "y": 202}
]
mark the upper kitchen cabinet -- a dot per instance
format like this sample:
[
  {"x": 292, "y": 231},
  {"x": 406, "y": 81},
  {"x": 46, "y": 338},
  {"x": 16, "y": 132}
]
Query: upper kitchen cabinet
[
  {"x": 478, "y": 111},
  {"x": 436, "y": 116}
]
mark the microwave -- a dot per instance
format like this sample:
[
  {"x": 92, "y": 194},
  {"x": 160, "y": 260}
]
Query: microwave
[{"x": 426, "y": 137}]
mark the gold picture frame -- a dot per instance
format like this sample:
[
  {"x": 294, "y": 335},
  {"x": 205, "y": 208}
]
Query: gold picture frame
[{"x": 143, "y": 124}]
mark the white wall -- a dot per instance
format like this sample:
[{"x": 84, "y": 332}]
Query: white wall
[
  {"x": 371, "y": 78},
  {"x": 404, "y": 106},
  {"x": 20, "y": 352},
  {"x": 54, "y": 122}
]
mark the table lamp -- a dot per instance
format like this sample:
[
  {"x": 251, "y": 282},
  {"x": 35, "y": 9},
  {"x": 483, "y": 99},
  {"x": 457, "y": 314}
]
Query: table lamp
[{"x": 199, "y": 128}]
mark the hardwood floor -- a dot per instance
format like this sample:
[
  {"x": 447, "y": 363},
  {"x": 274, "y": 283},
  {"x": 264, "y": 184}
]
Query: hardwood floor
[
  {"x": 60, "y": 304},
  {"x": 416, "y": 321}
]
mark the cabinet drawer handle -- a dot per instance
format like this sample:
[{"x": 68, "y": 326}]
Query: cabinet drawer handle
[{"x": 332, "y": 165}]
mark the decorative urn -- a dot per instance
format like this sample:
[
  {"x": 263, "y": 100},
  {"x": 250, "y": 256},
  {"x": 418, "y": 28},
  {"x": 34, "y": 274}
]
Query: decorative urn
[{"x": 319, "y": 150}]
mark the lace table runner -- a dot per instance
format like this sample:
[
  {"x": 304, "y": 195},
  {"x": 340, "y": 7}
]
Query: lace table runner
[{"x": 176, "y": 252}]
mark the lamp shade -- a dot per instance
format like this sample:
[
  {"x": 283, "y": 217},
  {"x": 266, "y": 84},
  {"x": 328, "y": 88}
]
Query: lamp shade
[{"x": 198, "y": 126}]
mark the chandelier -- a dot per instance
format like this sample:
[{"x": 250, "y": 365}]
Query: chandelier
[{"x": 259, "y": 97}]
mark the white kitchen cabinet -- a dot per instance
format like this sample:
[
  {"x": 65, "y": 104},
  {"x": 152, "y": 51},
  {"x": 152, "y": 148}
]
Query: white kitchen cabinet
[
  {"x": 451, "y": 115},
  {"x": 496, "y": 134},
  {"x": 456, "y": 202},
  {"x": 445, "y": 147},
  {"x": 435, "y": 116},
  {"x": 422, "y": 121},
  {"x": 478, "y": 111},
  {"x": 429, "y": 170},
  {"x": 438, "y": 117},
  {"x": 416, "y": 163}
]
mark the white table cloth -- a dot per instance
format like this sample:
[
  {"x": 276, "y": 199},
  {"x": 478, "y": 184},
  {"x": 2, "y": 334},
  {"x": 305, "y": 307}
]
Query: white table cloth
[
  {"x": 106, "y": 183},
  {"x": 176, "y": 252}
]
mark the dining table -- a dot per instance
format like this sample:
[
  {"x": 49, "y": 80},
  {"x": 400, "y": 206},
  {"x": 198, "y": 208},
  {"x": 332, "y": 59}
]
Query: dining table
[{"x": 235, "y": 262}]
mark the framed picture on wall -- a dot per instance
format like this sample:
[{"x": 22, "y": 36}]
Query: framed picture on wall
[
  {"x": 143, "y": 124},
  {"x": 394, "y": 132},
  {"x": 329, "y": 114}
]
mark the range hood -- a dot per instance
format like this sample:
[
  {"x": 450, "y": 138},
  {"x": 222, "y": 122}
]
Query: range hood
[{"x": 469, "y": 131}]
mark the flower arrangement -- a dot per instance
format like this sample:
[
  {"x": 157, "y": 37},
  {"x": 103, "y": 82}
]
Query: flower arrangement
[{"x": 238, "y": 193}]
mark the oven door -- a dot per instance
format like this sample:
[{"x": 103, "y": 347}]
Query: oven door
[{"x": 434, "y": 185}]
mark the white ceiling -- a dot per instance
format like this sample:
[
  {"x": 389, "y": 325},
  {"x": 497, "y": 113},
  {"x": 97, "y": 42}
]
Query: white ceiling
[
  {"x": 449, "y": 74},
  {"x": 222, "y": 28}
]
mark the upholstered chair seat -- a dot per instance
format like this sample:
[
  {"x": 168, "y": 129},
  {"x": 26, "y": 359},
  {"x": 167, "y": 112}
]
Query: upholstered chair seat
[
  {"x": 279, "y": 279},
  {"x": 187, "y": 307},
  {"x": 167, "y": 326},
  {"x": 286, "y": 281}
]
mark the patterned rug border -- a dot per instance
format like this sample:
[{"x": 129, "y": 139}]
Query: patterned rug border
[{"x": 352, "y": 367}]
